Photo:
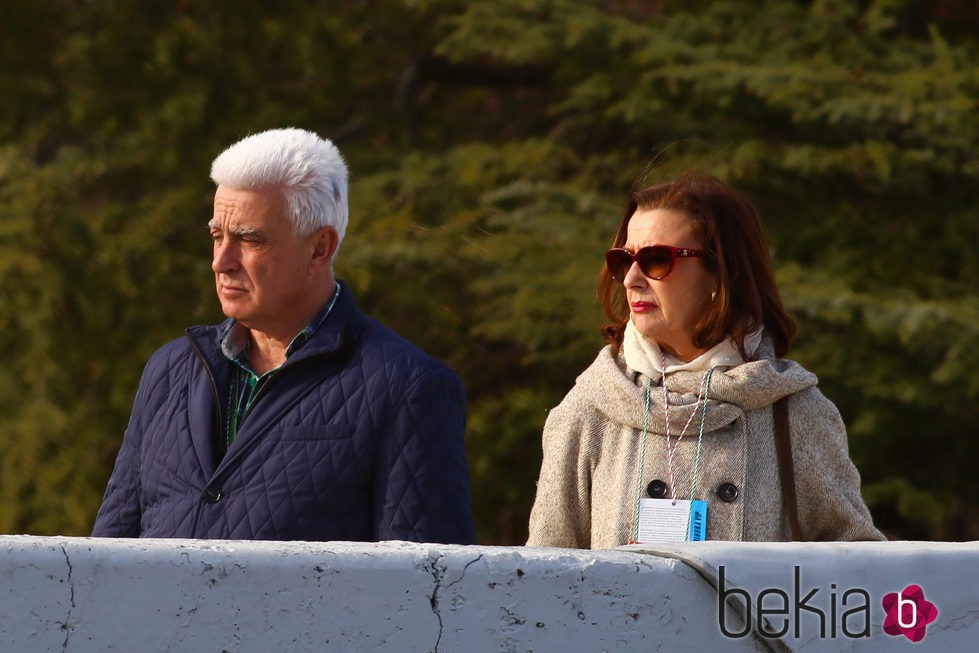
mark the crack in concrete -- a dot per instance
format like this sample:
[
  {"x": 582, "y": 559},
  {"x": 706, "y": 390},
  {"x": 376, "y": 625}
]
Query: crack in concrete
[
  {"x": 958, "y": 623},
  {"x": 66, "y": 625},
  {"x": 438, "y": 573},
  {"x": 463, "y": 574},
  {"x": 709, "y": 575}
]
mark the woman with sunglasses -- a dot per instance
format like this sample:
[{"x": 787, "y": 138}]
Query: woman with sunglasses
[{"x": 670, "y": 434}]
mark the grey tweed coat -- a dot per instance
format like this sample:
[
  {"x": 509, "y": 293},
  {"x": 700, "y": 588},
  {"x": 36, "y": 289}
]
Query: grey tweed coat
[{"x": 590, "y": 481}]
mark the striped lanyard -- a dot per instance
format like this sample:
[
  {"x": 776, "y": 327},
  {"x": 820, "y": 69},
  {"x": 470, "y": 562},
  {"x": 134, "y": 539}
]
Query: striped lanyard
[{"x": 671, "y": 448}]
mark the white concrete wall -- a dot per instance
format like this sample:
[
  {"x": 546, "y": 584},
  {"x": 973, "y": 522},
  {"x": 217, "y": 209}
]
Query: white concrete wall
[{"x": 80, "y": 594}]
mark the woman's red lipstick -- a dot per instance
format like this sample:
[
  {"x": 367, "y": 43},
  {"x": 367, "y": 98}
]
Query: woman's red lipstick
[{"x": 642, "y": 307}]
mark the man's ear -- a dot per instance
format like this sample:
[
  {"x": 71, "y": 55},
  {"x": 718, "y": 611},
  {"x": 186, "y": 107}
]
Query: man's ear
[{"x": 325, "y": 243}]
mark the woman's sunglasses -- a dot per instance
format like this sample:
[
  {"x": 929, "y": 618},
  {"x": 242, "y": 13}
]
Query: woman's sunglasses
[{"x": 655, "y": 261}]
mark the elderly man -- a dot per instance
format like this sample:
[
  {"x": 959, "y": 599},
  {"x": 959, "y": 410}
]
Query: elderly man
[{"x": 298, "y": 418}]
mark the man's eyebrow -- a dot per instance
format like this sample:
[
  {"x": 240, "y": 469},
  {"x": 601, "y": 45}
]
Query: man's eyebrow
[
  {"x": 214, "y": 225},
  {"x": 247, "y": 231}
]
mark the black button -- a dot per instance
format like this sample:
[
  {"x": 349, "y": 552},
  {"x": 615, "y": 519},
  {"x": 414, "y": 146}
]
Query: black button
[
  {"x": 657, "y": 489},
  {"x": 213, "y": 495},
  {"x": 727, "y": 492}
]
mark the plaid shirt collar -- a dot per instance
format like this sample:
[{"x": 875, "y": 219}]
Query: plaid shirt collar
[{"x": 235, "y": 341}]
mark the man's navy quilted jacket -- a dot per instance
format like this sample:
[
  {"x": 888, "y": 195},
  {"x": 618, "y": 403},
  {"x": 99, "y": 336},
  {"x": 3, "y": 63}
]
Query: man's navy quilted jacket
[{"x": 358, "y": 436}]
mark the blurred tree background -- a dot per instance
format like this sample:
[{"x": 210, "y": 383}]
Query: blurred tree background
[{"x": 492, "y": 145}]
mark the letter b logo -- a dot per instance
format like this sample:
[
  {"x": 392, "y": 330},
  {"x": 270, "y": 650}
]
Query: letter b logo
[
  {"x": 906, "y": 607},
  {"x": 908, "y": 613}
]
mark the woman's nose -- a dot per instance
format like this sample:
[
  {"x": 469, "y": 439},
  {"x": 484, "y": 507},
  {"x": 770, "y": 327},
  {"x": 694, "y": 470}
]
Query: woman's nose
[{"x": 634, "y": 276}]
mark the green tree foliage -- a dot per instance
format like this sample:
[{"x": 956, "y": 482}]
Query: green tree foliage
[{"x": 492, "y": 146}]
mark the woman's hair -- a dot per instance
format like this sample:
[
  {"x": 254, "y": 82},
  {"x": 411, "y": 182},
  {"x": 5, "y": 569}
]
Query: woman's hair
[
  {"x": 307, "y": 169},
  {"x": 736, "y": 255}
]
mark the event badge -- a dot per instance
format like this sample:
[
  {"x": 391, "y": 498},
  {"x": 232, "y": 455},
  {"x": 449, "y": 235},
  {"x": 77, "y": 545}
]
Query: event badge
[{"x": 666, "y": 520}]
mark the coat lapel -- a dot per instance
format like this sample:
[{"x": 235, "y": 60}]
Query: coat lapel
[
  {"x": 203, "y": 422},
  {"x": 208, "y": 392}
]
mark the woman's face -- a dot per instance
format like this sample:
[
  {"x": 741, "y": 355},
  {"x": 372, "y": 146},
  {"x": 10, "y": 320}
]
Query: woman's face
[{"x": 667, "y": 310}]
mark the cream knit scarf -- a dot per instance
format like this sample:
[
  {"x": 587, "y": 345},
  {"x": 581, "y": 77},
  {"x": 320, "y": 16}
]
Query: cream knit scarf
[{"x": 643, "y": 355}]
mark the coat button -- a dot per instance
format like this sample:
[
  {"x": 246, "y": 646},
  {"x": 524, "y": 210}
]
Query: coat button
[
  {"x": 657, "y": 489},
  {"x": 727, "y": 492},
  {"x": 213, "y": 495}
]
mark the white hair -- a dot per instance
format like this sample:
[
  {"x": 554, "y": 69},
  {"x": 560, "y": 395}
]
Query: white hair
[{"x": 308, "y": 169}]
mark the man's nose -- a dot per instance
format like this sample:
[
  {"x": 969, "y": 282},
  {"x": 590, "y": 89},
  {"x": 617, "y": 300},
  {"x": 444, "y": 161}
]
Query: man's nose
[{"x": 225, "y": 256}]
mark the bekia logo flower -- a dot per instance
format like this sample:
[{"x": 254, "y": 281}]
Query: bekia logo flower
[{"x": 908, "y": 613}]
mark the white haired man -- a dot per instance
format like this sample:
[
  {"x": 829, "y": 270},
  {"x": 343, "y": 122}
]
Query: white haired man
[{"x": 298, "y": 418}]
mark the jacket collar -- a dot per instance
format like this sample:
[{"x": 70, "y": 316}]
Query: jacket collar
[{"x": 330, "y": 336}]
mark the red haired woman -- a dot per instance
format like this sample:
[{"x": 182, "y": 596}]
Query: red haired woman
[{"x": 670, "y": 434}]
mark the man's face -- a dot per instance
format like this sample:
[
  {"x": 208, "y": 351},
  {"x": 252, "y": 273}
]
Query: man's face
[{"x": 262, "y": 271}]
